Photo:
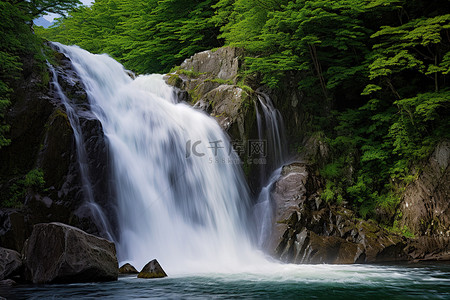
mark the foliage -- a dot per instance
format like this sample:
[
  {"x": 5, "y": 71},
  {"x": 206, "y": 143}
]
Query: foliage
[
  {"x": 32, "y": 182},
  {"x": 18, "y": 41},
  {"x": 146, "y": 36}
]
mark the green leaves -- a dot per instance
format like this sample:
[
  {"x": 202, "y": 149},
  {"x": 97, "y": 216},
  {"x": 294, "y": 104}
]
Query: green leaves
[
  {"x": 146, "y": 36},
  {"x": 426, "y": 107}
]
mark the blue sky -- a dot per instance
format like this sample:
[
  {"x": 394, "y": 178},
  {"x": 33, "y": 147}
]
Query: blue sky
[{"x": 50, "y": 17}]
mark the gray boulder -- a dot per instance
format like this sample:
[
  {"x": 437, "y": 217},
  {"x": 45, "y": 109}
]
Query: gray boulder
[
  {"x": 152, "y": 270},
  {"x": 10, "y": 263},
  {"x": 58, "y": 253}
]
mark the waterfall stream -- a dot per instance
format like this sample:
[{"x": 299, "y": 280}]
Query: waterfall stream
[
  {"x": 88, "y": 192},
  {"x": 181, "y": 196},
  {"x": 271, "y": 130}
]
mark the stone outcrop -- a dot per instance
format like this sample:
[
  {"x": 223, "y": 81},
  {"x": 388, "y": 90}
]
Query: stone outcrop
[
  {"x": 58, "y": 253},
  {"x": 425, "y": 208},
  {"x": 128, "y": 269},
  {"x": 222, "y": 63},
  {"x": 152, "y": 270},
  {"x": 209, "y": 80},
  {"x": 427, "y": 248},
  {"x": 308, "y": 230},
  {"x": 10, "y": 263}
]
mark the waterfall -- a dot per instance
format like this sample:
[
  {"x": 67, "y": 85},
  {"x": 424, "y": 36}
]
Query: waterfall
[
  {"x": 270, "y": 129},
  {"x": 182, "y": 198},
  {"x": 88, "y": 192},
  {"x": 263, "y": 211}
]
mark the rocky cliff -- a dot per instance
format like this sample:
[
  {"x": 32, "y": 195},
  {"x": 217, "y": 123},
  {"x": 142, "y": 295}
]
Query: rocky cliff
[{"x": 43, "y": 146}]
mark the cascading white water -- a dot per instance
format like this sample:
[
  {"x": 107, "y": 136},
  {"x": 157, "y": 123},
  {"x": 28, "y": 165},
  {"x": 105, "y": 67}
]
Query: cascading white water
[
  {"x": 263, "y": 210},
  {"x": 271, "y": 129},
  {"x": 181, "y": 196}
]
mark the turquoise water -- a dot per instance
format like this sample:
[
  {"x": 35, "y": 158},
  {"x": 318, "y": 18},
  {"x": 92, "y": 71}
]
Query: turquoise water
[{"x": 285, "y": 282}]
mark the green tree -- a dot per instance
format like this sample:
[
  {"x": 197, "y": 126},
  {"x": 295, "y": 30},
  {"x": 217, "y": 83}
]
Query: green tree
[{"x": 146, "y": 36}]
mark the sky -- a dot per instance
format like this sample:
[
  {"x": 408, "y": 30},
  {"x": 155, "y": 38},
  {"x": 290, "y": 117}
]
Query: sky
[{"x": 50, "y": 17}]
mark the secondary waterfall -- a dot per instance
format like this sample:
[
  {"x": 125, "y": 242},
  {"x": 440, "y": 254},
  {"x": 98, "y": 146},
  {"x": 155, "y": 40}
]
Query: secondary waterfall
[
  {"x": 88, "y": 192},
  {"x": 181, "y": 196},
  {"x": 270, "y": 129}
]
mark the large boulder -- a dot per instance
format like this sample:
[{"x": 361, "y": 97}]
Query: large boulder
[
  {"x": 10, "y": 263},
  {"x": 307, "y": 230},
  {"x": 152, "y": 270},
  {"x": 58, "y": 253}
]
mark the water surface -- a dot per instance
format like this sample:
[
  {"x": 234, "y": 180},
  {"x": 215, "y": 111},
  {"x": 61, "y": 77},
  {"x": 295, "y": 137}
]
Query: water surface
[{"x": 431, "y": 281}]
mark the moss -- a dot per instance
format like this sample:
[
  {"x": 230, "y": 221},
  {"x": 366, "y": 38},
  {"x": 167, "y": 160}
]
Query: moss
[
  {"x": 174, "y": 69},
  {"x": 220, "y": 81},
  {"x": 189, "y": 73},
  {"x": 32, "y": 181},
  {"x": 246, "y": 88},
  {"x": 174, "y": 80},
  {"x": 195, "y": 94}
]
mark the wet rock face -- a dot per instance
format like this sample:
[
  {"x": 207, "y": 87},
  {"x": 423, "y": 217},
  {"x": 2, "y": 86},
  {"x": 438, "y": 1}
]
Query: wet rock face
[
  {"x": 307, "y": 230},
  {"x": 13, "y": 229},
  {"x": 58, "y": 253},
  {"x": 425, "y": 208},
  {"x": 210, "y": 81}
]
